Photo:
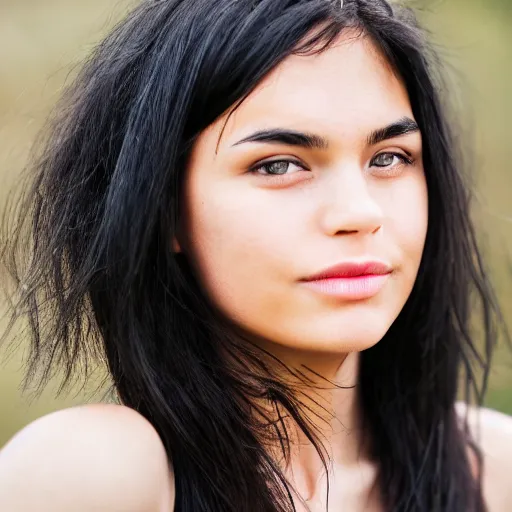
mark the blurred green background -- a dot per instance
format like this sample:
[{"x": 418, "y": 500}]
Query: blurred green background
[{"x": 43, "y": 41}]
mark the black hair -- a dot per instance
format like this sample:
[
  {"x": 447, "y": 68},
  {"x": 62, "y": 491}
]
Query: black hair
[{"x": 89, "y": 248}]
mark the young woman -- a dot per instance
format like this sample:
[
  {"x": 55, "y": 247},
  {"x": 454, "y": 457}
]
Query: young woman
[{"x": 254, "y": 212}]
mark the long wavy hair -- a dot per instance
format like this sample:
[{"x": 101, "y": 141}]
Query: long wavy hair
[{"x": 88, "y": 248}]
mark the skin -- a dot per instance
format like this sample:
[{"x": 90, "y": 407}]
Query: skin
[
  {"x": 348, "y": 201},
  {"x": 252, "y": 240},
  {"x": 344, "y": 207}
]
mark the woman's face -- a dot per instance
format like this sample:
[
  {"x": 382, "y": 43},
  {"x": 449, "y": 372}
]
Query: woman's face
[{"x": 339, "y": 191}]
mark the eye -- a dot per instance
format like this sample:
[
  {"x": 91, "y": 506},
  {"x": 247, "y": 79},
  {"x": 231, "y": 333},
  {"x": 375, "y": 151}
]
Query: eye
[
  {"x": 277, "y": 168},
  {"x": 390, "y": 160}
]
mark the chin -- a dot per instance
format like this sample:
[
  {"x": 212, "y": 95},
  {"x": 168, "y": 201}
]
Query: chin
[
  {"x": 332, "y": 339},
  {"x": 334, "y": 336},
  {"x": 353, "y": 341}
]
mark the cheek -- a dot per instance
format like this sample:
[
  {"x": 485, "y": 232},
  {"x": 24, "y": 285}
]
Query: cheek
[
  {"x": 239, "y": 244},
  {"x": 406, "y": 210}
]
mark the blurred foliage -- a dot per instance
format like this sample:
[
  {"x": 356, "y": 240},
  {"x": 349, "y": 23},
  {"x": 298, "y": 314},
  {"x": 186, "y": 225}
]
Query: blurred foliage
[{"x": 43, "y": 41}]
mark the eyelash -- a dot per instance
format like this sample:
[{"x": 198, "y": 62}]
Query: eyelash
[{"x": 404, "y": 160}]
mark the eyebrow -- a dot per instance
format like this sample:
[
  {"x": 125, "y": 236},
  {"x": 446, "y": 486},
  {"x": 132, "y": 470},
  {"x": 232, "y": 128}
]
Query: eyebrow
[
  {"x": 287, "y": 137},
  {"x": 403, "y": 126}
]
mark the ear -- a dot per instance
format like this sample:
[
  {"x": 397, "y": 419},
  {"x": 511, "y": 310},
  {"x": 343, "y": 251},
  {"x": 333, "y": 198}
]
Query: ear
[{"x": 176, "y": 247}]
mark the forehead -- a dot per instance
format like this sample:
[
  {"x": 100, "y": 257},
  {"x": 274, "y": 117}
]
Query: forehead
[{"x": 349, "y": 88}]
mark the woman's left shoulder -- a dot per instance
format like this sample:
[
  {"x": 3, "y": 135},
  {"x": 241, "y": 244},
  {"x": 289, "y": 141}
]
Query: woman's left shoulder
[{"x": 492, "y": 432}]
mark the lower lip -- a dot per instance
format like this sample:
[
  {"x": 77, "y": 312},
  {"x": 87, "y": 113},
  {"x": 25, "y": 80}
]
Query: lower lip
[{"x": 350, "y": 288}]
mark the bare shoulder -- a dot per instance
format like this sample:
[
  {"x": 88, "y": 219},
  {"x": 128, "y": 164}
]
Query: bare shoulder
[
  {"x": 94, "y": 457},
  {"x": 492, "y": 432}
]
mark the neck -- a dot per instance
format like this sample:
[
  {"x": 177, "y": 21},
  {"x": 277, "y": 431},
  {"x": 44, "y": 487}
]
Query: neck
[
  {"x": 329, "y": 397},
  {"x": 331, "y": 407}
]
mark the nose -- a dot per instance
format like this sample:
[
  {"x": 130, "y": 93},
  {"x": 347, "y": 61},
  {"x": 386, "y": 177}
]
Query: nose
[{"x": 351, "y": 207}]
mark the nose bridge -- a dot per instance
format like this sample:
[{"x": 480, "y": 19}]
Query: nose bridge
[{"x": 350, "y": 206}]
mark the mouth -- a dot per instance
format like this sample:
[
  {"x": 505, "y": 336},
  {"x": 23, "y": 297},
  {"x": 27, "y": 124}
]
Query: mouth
[{"x": 350, "y": 281}]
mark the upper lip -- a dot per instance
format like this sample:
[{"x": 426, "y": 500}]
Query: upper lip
[{"x": 351, "y": 269}]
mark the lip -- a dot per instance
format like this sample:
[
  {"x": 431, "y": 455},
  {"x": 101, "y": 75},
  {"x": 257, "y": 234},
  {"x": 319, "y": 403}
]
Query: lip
[
  {"x": 351, "y": 270},
  {"x": 350, "y": 281}
]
